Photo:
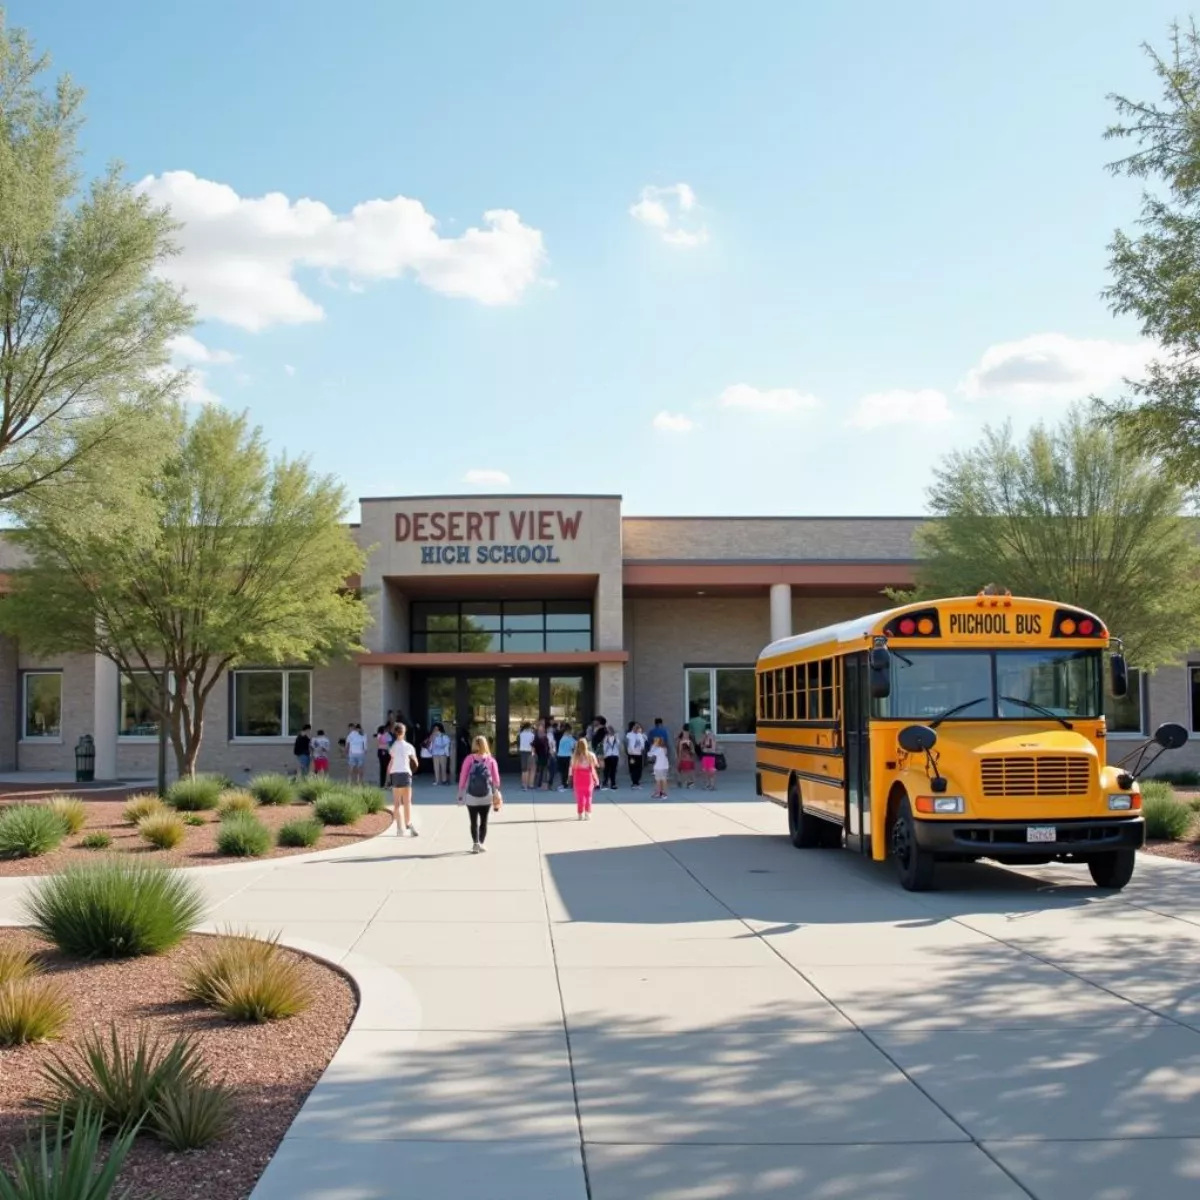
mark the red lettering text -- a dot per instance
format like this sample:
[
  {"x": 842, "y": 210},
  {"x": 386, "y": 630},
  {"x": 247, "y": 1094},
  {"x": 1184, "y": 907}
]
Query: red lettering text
[
  {"x": 517, "y": 521},
  {"x": 474, "y": 527},
  {"x": 403, "y": 527},
  {"x": 545, "y": 525},
  {"x": 418, "y": 526},
  {"x": 437, "y": 527},
  {"x": 568, "y": 527},
  {"x": 491, "y": 515},
  {"x": 454, "y": 526}
]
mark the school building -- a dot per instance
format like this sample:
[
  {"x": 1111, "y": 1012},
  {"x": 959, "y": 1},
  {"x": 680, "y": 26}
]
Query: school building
[{"x": 494, "y": 610}]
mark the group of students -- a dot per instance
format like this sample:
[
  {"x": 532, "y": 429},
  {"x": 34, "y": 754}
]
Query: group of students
[{"x": 550, "y": 751}]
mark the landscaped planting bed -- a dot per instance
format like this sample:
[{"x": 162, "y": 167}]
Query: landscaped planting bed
[
  {"x": 1172, "y": 821},
  {"x": 115, "y": 1019},
  {"x": 198, "y": 838}
]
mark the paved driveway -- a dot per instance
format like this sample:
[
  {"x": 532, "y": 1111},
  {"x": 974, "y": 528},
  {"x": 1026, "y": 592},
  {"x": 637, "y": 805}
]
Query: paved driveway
[{"x": 670, "y": 1003}]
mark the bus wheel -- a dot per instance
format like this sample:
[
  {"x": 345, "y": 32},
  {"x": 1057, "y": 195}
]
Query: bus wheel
[
  {"x": 804, "y": 830},
  {"x": 914, "y": 865},
  {"x": 1113, "y": 869}
]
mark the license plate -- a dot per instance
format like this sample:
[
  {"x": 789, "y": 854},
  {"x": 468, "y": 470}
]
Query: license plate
[{"x": 1041, "y": 833}]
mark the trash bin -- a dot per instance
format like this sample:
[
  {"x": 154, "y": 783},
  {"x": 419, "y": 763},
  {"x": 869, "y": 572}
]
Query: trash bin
[{"x": 85, "y": 759}]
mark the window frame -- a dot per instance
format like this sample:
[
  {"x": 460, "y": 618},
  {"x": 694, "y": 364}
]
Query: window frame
[
  {"x": 134, "y": 739},
  {"x": 712, "y": 670},
  {"x": 268, "y": 739},
  {"x": 40, "y": 739},
  {"x": 583, "y": 628}
]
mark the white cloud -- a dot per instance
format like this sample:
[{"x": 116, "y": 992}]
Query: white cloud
[
  {"x": 1052, "y": 366},
  {"x": 485, "y": 477},
  {"x": 667, "y": 422},
  {"x": 666, "y": 209},
  {"x": 288, "y": 369},
  {"x": 899, "y": 407},
  {"x": 196, "y": 389},
  {"x": 767, "y": 400},
  {"x": 240, "y": 255},
  {"x": 185, "y": 348}
]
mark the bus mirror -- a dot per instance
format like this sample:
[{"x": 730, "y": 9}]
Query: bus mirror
[
  {"x": 881, "y": 683},
  {"x": 917, "y": 739},
  {"x": 1120, "y": 676},
  {"x": 881, "y": 659},
  {"x": 1170, "y": 736}
]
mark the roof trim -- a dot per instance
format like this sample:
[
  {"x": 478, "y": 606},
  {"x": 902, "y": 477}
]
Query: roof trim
[{"x": 494, "y": 496}]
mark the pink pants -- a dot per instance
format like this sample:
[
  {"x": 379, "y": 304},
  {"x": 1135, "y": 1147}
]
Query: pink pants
[{"x": 584, "y": 786}]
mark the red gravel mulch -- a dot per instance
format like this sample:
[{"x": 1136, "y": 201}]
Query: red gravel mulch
[
  {"x": 271, "y": 1068},
  {"x": 1185, "y": 851},
  {"x": 199, "y": 846}
]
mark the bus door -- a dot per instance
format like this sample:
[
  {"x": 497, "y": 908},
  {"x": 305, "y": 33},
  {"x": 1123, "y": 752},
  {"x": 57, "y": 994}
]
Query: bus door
[{"x": 856, "y": 713}]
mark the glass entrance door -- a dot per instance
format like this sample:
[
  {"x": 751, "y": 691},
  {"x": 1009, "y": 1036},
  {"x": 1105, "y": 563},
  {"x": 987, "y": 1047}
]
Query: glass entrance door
[
  {"x": 481, "y": 707},
  {"x": 524, "y": 693}
]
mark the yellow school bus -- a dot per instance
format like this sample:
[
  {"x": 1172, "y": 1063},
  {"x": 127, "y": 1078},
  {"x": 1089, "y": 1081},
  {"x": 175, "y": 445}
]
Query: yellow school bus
[{"x": 954, "y": 730}]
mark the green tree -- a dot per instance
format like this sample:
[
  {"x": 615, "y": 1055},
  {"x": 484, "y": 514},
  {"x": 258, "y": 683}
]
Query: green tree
[
  {"x": 1072, "y": 514},
  {"x": 84, "y": 323},
  {"x": 209, "y": 556}
]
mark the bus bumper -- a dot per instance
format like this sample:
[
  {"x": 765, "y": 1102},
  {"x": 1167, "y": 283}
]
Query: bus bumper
[{"x": 1010, "y": 839}]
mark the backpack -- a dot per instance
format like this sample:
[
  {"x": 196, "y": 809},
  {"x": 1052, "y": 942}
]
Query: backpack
[{"x": 479, "y": 779}]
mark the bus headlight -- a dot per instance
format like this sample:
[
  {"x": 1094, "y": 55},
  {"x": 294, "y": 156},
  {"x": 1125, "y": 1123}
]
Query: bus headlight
[
  {"x": 1120, "y": 803},
  {"x": 941, "y": 804}
]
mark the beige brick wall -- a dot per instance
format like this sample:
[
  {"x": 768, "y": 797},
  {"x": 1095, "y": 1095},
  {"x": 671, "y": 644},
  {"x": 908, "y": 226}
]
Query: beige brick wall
[{"x": 78, "y": 713}]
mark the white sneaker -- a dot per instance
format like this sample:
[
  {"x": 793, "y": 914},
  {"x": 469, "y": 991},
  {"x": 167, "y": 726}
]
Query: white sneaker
[
  {"x": 475, "y": 847},
  {"x": 482, "y": 848},
  {"x": 412, "y": 831},
  {"x": 580, "y": 817}
]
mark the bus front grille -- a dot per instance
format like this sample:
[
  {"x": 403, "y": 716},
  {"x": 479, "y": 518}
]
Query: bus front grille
[{"x": 1065, "y": 775}]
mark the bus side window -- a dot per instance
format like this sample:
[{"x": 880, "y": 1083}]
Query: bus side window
[
  {"x": 814, "y": 692},
  {"x": 789, "y": 693},
  {"x": 827, "y": 708},
  {"x": 801, "y": 695}
]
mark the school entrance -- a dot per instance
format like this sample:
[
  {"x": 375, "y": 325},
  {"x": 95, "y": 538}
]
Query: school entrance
[{"x": 496, "y": 703}]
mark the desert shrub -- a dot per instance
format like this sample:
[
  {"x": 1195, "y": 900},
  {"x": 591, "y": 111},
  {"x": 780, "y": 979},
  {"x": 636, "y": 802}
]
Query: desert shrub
[
  {"x": 29, "y": 830},
  {"x": 32, "y": 1010},
  {"x": 164, "y": 831},
  {"x": 99, "y": 840},
  {"x": 338, "y": 808},
  {"x": 146, "y": 804},
  {"x": 191, "y": 1113},
  {"x": 236, "y": 802},
  {"x": 62, "y": 1165},
  {"x": 1165, "y": 816},
  {"x": 17, "y": 964},
  {"x": 272, "y": 789},
  {"x": 144, "y": 1082},
  {"x": 313, "y": 788},
  {"x": 195, "y": 820},
  {"x": 223, "y": 781},
  {"x": 71, "y": 811},
  {"x": 195, "y": 795},
  {"x": 372, "y": 799},
  {"x": 248, "y": 979},
  {"x": 300, "y": 833},
  {"x": 114, "y": 909},
  {"x": 243, "y": 835},
  {"x": 1156, "y": 789}
]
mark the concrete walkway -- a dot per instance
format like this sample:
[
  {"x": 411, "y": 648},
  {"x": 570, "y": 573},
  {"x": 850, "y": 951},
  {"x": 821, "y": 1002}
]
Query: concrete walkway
[{"x": 670, "y": 1003}]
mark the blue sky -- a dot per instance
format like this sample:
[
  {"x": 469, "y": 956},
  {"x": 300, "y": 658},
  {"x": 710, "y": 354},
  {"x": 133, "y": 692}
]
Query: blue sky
[{"x": 742, "y": 258}]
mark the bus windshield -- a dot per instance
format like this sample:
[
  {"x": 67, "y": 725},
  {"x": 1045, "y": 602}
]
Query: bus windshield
[{"x": 994, "y": 685}]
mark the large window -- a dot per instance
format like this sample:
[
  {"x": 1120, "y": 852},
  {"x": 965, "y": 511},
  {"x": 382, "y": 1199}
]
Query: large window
[
  {"x": 269, "y": 704},
  {"x": 138, "y": 701},
  {"x": 501, "y": 626},
  {"x": 1127, "y": 714},
  {"x": 982, "y": 685},
  {"x": 41, "y": 704},
  {"x": 722, "y": 696}
]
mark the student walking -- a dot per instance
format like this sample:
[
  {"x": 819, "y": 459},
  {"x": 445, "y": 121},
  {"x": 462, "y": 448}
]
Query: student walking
[
  {"x": 302, "y": 749},
  {"x": 708, "y": 759},
  {"x": 402, "y": 765},
  {"x": 566, "y": 748},
  {"x": 439, "y": 746},
  {"x": 356, "y": 753},
  {"x": 660, "y": 763},
  {"x": 479, "y": 789},
  {"x": 383, "y": 742},
  {"x": 635, "y": 753},
  {"x": 320, "y": 753},
  {"x": 685, "y": 758},
  {"x": 611, "y": 748},
  {"x": 541, "y": 757},
  {"x": 583, "y": 778}
]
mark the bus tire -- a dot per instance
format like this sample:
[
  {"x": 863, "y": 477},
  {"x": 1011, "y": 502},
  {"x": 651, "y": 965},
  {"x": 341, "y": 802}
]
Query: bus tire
[
  {"x": 914, "y": 865},
  {"x": 831, "y": 835},
  {"x": 1113, "y": 869},
  {"x": 803, "y": 828}
]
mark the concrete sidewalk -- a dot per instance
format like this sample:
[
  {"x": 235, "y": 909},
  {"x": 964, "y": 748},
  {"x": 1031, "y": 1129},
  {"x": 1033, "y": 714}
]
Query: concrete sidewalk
[{"x": 670, "y": 1003}]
